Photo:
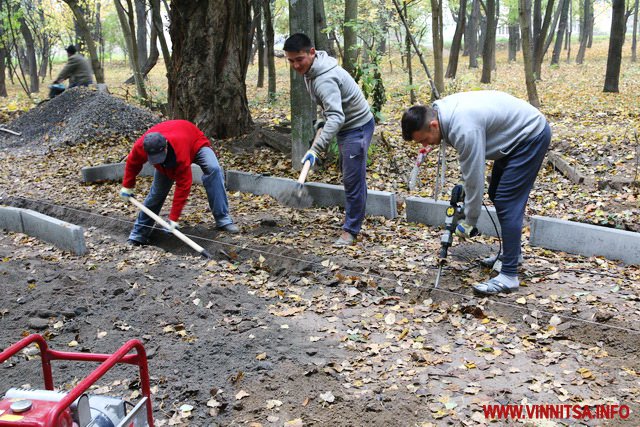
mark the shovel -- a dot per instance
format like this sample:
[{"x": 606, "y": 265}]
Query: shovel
[
  {"x": 299, "y": 197},
  {"x": 202, "y": 251}
]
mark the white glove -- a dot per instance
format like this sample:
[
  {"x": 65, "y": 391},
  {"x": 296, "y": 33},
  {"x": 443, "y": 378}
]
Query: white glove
[
  {"x": 125, "y": 193},
  {"x": 172, "y": 226}
]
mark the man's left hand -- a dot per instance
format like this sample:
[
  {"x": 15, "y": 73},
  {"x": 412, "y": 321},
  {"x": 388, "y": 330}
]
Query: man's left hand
[{"x": 465, "y": 231}]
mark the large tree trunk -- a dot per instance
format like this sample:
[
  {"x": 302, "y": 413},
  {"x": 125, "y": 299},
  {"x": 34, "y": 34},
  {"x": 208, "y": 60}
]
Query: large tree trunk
[
  {"x": 207, "y": 82},
  {"x": 562, "y": 28},
  {"x": 471, "y": 37},
  {"x": 303, "y": 109},
  {"x": 270, "y": 40},
  {"x": 322, "y": 41},
  {"x": 540, "y": 35},
  {"x": 584, "y": 31},
  {"x": 616, "y": 40},
  {"x": 524, "y": 12},
  {"x": 141, "y": 30},
  {"x": 489, "y": 42},
  {"x": 32, "y": 63},
  {"x": 634, "y": 39},
  {"x": 127, "y": 24},
  {"x": 350, "y": 36},
  {"x": 514, "y": 41},
  {"x": 454, "y": 53},
  {"x": 438, "y": 44},
  {"x": 83, "y": 27}
]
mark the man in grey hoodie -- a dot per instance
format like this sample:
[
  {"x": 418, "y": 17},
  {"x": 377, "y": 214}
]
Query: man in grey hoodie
[
  {"x": 347, "y": 116},
  {"x": 488, "y": 125}
]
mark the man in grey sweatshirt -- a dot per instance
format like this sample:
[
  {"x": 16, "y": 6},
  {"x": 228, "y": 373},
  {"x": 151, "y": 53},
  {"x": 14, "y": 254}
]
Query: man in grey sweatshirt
[
  {"x": 488, "y": 125},
  {"x": 347, "y": 116}
]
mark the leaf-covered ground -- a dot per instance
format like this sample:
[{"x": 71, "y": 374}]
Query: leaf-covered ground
[{"x": 282, "y": 329}]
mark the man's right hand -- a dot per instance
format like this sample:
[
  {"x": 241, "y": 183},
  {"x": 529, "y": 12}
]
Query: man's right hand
[
  {"x": 125, "y": 193},
  {"x": 310, "y": 155}
]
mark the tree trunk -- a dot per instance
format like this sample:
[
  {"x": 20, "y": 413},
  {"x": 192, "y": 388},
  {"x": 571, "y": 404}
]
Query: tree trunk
[
  {"x": 159, "y": 27},
  {"x": 438, "y": 44},
  {"x": 3, "y": 70},
  {"x": 350, "y": 35},
  {"x": 540, "y": 35},
  {"x": 552, "y": 28},
  {"x": 383, "y": 26},
  {"x": 569, "y": 31},
  {"x": 303, "y": 109},
  {"x": 524, "y": 11},
  {"x": 270, "y": 40},
  {"x": 128, "y": 31},
  {"x": 45, "y": 46},
  {"x": 32, "y": 63},
  {"x": 408, "y": 57},
  {"x": 322, "y": 41},
  {"x": 83, "y": 27},
  {"x": 141, "y": 30},
  {"x": 153, "y": 57},
  {"x": 489, "y": 42},
  {"x": 207, "y": 82},
  {"x": 472, "y": 34},
  {"x": 634, "y": 39},
  {"x": 616, "y": 40},
  {"x": 257, "y": 10},
  {"x": 454, "y": 53},
  {"x": 562, "y": 28},
  {"x": 514, "y": 41},
  {"x": 584, "y": 32}
]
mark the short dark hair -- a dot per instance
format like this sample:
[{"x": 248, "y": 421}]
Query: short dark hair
[
  {"x": 71, "y": 49},
  {"x": 416, "y": 118},
  {"x": 298, "y": 42}
]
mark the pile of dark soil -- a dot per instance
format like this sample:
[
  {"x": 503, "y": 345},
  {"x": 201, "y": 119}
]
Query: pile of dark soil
[{"x": 76, "y": 116}]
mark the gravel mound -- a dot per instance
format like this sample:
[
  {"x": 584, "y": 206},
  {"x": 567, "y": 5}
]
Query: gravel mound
[{"x": 77, "y": 115}]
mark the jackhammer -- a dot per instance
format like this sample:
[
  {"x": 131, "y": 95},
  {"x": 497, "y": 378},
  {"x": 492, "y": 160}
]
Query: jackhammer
[{"x": 454, "y": 214}]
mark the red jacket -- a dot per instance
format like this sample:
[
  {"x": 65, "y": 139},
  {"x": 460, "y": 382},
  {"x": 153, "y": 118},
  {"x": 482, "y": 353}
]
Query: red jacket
[{"x": 186, "y": 140}]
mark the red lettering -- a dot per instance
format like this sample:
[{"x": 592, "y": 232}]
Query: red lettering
[{"x": 624, "y": 412}]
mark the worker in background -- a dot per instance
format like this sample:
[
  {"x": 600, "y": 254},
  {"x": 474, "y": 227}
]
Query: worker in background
[
  {"x": 488, "y": 125},
  {"x": 77, "y": 69},
  {"x": 347, "y": 116},
  {"x": 171, "y": 147}
]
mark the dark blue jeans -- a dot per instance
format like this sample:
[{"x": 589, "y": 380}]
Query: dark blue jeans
[
  {"x": 213, "y": 182},
  {"x": 354, "y": 145},
  {"x": 511, "y": 182}
]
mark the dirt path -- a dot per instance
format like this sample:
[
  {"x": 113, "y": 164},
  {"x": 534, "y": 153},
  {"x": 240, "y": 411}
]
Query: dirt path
[{"x": 337, "y": 338}]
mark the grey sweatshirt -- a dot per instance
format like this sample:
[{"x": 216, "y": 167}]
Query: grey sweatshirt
[
  {"x": 334, "y": 90},
  {"x": 484, "y": 125}
]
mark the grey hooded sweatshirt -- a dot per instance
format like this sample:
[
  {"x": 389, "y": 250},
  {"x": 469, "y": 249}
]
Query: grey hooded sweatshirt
[
  {"x": 484, "y": 125},
  {"x": 334, "y": 90}
]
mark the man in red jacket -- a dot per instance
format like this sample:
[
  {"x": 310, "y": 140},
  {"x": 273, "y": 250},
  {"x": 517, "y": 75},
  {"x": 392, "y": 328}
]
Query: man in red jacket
[{"x": 171, "y": 147}]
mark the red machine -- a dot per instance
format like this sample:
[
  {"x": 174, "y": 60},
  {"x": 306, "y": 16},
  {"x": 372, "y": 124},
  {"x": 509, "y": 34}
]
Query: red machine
[{"x": 49, "y": 408}]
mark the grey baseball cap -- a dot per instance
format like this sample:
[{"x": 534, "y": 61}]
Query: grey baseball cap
[{"x": 155, "y": 146}]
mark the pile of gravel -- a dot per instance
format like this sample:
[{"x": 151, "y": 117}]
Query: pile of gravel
[{"x": 77, "y": 115}]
